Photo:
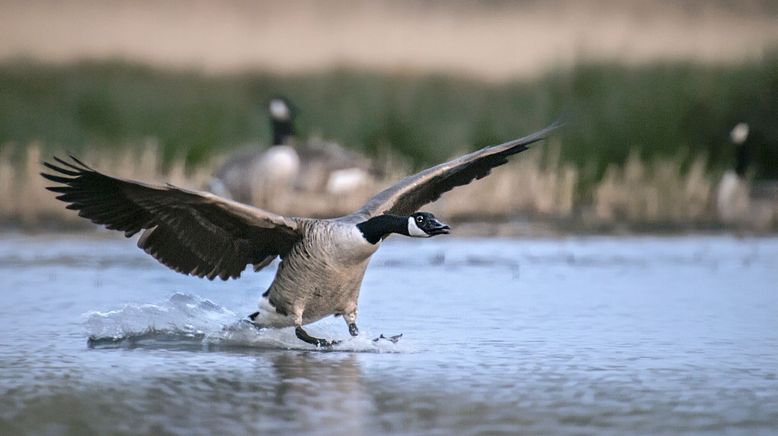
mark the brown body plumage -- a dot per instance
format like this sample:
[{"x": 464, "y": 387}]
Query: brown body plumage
[{"x": 321, "y": 276}]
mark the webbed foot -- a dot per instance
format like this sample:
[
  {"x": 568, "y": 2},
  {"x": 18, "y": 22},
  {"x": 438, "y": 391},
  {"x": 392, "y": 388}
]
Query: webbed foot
[
  {"x": 352, "y": 329},
  {"x": 392, "y": 339},
  {"x": 319, "y": 342}
]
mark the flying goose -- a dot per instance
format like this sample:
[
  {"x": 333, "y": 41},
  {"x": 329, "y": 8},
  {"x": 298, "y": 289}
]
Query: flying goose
[
  {"x": 252, "y": 174},
  {"x": 323, "y": 261}
]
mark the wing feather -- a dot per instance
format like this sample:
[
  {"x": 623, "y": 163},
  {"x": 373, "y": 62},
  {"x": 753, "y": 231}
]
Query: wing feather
[
  {"x": 411, "y": 193},
  {"x": 192, "y": 232}
]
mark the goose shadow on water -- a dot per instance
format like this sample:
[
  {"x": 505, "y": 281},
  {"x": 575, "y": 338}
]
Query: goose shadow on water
[
  {"x": 272, "y": 391},
  {"x": 312, "y": 387},
  {"x": 282, "y": 391}
]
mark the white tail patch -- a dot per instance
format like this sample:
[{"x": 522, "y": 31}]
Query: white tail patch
[{"x": 268, "y": 317}]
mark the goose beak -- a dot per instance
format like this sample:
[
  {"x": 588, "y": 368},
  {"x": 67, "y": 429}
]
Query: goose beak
[{"x": 438, "y": 228}]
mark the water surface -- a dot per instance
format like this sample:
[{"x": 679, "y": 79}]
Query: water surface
[{"x": 563, "y": 336}]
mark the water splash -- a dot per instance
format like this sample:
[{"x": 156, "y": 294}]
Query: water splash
[
  {"x": 181, "y": 313},
  {"x": 187, "y": 321}
]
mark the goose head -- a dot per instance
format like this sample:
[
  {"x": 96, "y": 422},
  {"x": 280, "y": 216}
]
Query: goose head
[
  {"x": 739, "y": 133},
  {"x": 280, "y": 109},
  {"x": 417, "y": 225},
  {"x": 425, "y": 225}
]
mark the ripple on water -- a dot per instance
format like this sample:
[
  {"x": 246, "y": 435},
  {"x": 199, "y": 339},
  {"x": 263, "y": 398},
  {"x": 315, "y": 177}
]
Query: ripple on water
[{"x": 558, "y": 336}]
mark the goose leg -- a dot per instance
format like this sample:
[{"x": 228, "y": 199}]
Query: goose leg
[
  {"x": 351, "y": 321},
  {"x": 305, "y": 337}
]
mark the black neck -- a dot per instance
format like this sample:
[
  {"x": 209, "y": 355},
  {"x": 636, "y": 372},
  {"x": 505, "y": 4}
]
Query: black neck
[
  {"x": 283, "y": 131},
  {"x": 378, "y": 227}
]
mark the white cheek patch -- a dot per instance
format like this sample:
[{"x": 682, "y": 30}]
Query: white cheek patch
[
  {"x": 414, "y": 230},
  {"x": 279, "y": 109}
]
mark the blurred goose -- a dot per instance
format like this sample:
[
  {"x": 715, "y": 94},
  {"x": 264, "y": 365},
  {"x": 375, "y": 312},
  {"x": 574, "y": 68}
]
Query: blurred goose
[
  {"x": 741, "y": 200},
  {"x": 252, "y": 175},
  {"x": 732, "y": 197},
  {"x": 323, "y": 261}
]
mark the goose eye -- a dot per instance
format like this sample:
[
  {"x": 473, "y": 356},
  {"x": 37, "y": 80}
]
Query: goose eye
[{"x": 420, "y": 218}]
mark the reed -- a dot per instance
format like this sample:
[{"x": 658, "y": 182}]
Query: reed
[
  {"x": 645, "y": 144},
  {"x": 642, "y": 193},
  {"x": 656, "y": 192},
  {"x": 25, "y": 202}
]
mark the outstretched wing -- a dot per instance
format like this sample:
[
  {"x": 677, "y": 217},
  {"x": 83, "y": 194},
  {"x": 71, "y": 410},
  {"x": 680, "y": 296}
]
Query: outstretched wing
[
  {"x": 411, "y": 193},
  {"x": 192, "y": 232}
]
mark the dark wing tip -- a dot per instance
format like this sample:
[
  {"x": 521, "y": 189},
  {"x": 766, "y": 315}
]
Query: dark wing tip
[
  {"x": 561, "y": 120},
  {"x": 76, "y": 160},
  {"x": 541, "y": 134},
  {"x": 56, "y": 179},
  {"x": 60, "y": 170},
  {"x": 62, "y": 167}
]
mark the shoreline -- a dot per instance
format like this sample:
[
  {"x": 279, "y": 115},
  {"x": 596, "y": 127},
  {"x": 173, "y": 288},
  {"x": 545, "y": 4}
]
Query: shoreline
[{"x": 506, "y": 227}]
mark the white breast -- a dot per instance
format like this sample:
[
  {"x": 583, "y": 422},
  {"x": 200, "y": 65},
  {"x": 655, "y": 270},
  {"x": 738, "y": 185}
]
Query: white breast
[
  {"x": 279, "y": 163},
  {"x": 348, "y": 245}
]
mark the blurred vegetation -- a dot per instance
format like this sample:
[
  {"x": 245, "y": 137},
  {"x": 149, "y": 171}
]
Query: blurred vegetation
[{"x": 660, "y": 110}]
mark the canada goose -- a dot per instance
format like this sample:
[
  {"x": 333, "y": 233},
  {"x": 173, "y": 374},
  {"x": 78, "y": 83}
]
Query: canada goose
[
  {"x": 732, "y": 197},
  {"x": 324, "y": 165},
  {"x": 323, "y": 261},
  {"x": 253, "y": 175},
  {"x": 742, "y": 200}
]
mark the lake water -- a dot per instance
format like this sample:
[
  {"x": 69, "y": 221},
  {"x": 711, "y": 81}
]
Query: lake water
[{"x": 554, "y": 336}]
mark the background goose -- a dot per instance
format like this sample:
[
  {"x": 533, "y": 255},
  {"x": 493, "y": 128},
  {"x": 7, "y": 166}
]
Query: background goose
[
  {"x": 323, "y": 260},
  {"x": 254, "y": 175},
  {"x": 732, "y": 198},
  {"x": 739, "y": 199}
]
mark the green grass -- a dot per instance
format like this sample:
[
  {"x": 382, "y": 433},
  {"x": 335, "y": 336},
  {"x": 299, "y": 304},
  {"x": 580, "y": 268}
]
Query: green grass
[{"x": 660, "y": 109}]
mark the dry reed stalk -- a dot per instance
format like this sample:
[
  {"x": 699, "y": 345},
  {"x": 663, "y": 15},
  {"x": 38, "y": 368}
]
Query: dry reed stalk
[
  {"x": 7, "y": 177},
  {"x": 657, "y": 192},
  {"x": 530, "y": 185},
  {"x": 31, "y": 201},
  {"x": 23, "y": 194}
]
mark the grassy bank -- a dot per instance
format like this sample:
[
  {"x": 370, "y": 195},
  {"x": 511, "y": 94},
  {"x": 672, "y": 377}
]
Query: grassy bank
[
  {"x": 644, "y": 145},
  {"x": 660, "y": 110}
]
